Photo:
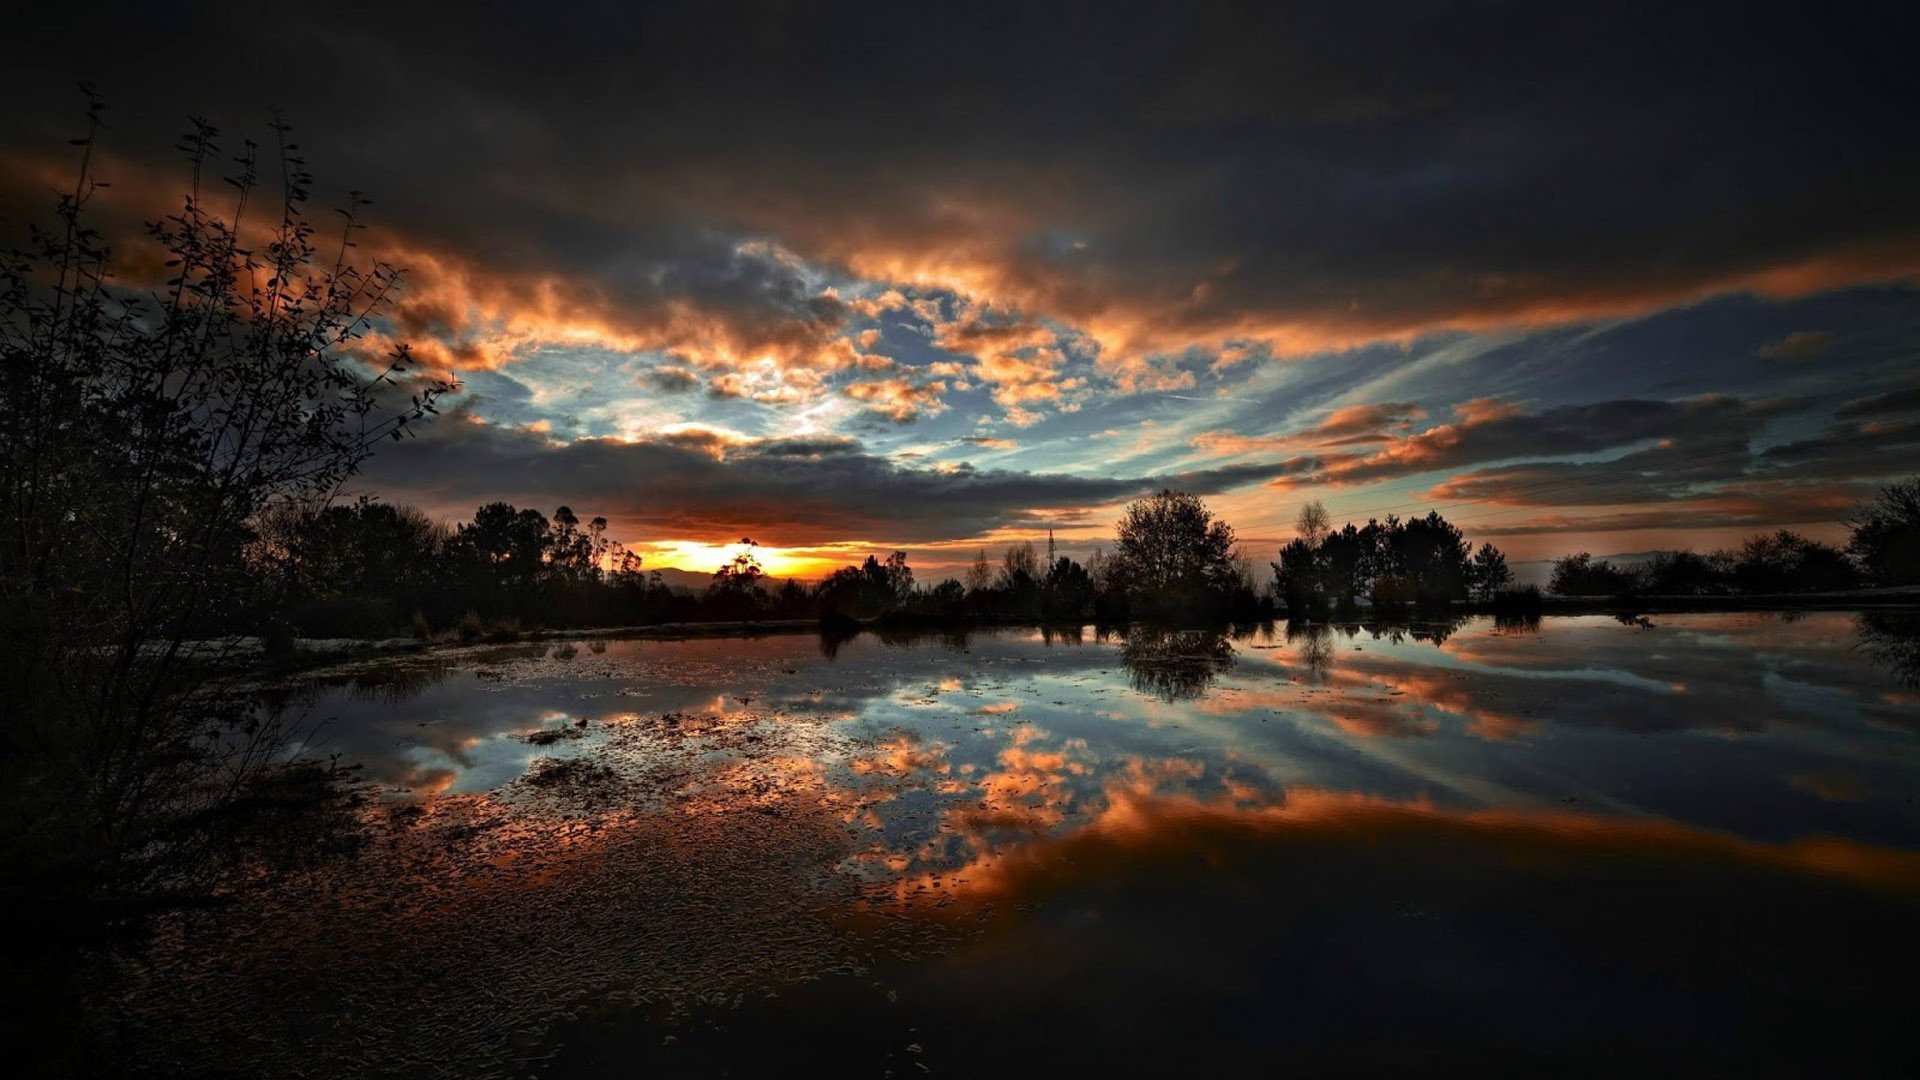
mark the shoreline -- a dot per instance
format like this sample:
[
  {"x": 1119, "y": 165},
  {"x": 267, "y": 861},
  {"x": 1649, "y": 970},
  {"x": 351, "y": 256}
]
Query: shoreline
[{"x": 316, "y": 654}]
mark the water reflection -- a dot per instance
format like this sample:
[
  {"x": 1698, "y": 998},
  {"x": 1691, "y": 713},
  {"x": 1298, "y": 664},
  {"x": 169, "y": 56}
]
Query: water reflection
[
  {"x": 1822, "y": 694},
  {"x": 1313, "y": 645},
  {"x": 1065, "y": 635},
  {"x": 834, "y": 636},
  {"x": 1356, "y": 839},
  {"x": 1527, "y": 622},
  {"x": 1354, "y": 936},
  {"x": 1892, "y": 641},
  {"x": 1175, "y": 665}
]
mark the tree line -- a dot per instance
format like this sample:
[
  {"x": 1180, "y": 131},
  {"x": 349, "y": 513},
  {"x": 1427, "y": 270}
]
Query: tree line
[
  {"x": 1423, "y": 562},
  {"x": 1882, "y": 550},
  {"x": 1427, "y": 563},
  {"x": 369, "y": 568}
]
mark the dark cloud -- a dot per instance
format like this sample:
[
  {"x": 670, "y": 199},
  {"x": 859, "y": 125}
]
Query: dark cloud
[
  {"x": 1699, "y": 483},
  {"x": 1299, "y": 172},
  {"x": 1735, "y": 512},
  {"x": 1057, "y": 191},
  {"x": 1891, "y": 403},
  {"x": 1846, "y": 450},
  {"x": 671, "y": 379},
  {"x": 1653, "y": 475},
  {"x": 1799, "y": 345},
  {"x": 1488, "y": 430},
  {"x": 700, "y": 484}
]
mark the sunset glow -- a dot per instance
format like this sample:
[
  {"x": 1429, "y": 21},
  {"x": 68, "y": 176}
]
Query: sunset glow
[
  {"x": 845, "y": 326},
  {"x": 986, "y": 540},
  {"x": 706, "y": 558}
]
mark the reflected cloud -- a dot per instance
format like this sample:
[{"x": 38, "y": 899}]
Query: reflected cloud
[
  {"x": 1139, "y": 826},
  {"x": 766, "y": 799}
]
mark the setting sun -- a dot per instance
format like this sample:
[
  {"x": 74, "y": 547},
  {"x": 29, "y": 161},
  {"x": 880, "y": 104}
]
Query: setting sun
[{"x": 700, "y": 558}]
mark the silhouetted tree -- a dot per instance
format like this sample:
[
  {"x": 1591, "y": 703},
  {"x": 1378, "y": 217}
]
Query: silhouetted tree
[
  {"x": 1297, "y": 578},
  {"x": 1489, "y": 573},
  {"x": 571, "y": 549},
  {"x": 897, "y": 577},
  {"x": 1313, "y": 524},
  {"x": 949, "y": 597},
  {"x": 1421, "y": 560},
  {"x": 1785, "y": 562},
  {"x": 869, "y": 590},
  {"x": 1069, "y": 590},
  {"x": 1776, "y": 562},
  {"x": 502, "y": 555},
  {"x": 735, "y": 589},
  {"x": 1685, "y": 573},
  {"x": 1109, "y": 583},
  {"x": 980, "y": 574},
  {"x": 1177, "y": 559},
  {"x": 791, "y": 601},
  {"x": 350, "y": 570},
  {"x": 1347, "y": 563},
  {"x": 1583, "y": 575},
  {"x": 1886, "y": 535},
  {"x": 1019, "y": 568},
  {"x": 146, "y": 422}
]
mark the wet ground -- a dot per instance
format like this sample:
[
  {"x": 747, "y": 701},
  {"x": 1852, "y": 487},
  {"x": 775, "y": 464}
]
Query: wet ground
[{"x": 1587, "y": 847}]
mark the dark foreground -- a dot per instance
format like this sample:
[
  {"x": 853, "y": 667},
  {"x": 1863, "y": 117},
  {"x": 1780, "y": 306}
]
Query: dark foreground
[{"x": 1592, "y": 849}]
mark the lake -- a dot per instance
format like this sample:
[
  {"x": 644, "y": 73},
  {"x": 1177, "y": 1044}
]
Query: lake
[{"x": 1587, "y": 846}]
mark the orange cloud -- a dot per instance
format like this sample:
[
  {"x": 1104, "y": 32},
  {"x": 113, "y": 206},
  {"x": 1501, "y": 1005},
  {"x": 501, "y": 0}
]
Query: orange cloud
[
  {"x": 899, "y": 400},
  {"x": 1349, "y": 425},
  {"x": 1139, "y": 816},
  {"x": 1136, "y": 319}
]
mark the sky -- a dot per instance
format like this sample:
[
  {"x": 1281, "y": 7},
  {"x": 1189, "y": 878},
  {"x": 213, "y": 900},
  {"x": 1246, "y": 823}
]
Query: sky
[{"x": 844, "y": 279}]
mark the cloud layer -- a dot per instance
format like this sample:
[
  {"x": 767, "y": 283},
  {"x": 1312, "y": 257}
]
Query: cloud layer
[
  {"x": 790, "y": 491},
  {"x": 1608, "y": 264}
]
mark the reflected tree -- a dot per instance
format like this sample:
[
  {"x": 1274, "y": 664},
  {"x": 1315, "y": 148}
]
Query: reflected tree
[
  {"x": 1175, "y": 665},
  {"x": 1313, "y": 644},
  {"x": 1892, "y": 640},
  {"x": 1516, "y": 622},
  {"x": 1396, "y": 630},
  {"x": 835, "y": 633},
  {"x": 1070, "y": 634}
]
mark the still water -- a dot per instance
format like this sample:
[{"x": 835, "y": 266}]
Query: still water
[{"x": 1590, "y": 847}]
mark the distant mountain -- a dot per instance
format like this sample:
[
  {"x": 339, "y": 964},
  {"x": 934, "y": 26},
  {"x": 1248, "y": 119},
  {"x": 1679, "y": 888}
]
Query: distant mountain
[
  {"x": 688, "y": 581},
  {"x": 696, "y": 581}
]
